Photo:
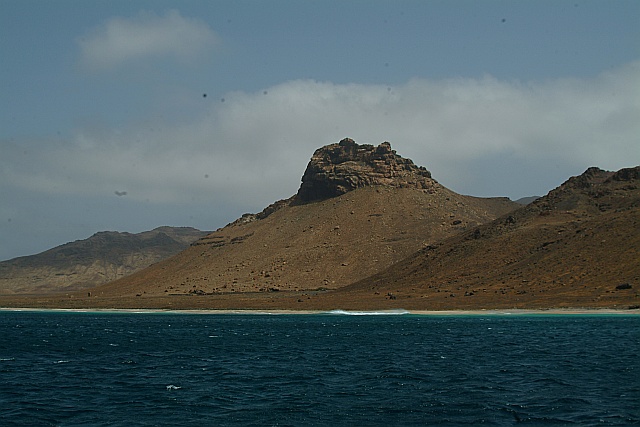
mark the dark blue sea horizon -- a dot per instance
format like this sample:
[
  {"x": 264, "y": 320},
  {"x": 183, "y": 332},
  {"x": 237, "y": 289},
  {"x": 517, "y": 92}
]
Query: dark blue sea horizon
[{"x": 147, "y": 369}]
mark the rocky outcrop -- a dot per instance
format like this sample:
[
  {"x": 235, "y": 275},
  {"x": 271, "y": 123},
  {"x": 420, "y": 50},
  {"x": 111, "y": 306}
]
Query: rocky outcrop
[{"x": 339, "y": 168}]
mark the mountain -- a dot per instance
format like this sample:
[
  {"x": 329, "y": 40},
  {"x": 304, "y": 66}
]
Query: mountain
[
  {"x": 527, "y": 200},
  {"x": 101, "y": 258},
  {"x": 370, "y": 230},
  {"x": 359, "y": 209},
  {"x": 578, "y": 246}
]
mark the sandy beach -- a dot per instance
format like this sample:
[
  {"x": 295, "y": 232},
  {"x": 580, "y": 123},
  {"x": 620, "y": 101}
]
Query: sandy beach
[{"x": 514, "y": 312}]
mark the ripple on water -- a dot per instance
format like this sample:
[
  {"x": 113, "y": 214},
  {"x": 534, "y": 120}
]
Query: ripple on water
[{"x": 326, "y": 369}]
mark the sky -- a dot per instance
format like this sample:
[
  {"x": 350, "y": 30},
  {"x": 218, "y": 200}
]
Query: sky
[{"x": 129, "y": 115}]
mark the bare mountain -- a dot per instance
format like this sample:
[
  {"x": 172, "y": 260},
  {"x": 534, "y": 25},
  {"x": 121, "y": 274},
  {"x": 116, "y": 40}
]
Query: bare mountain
[
  {"x": 359, "y": 209},
  {"x": 371, "y": 230},
  {"x": 101, "y": 258},
  {"x": 527, "y": 200},
  {"x": 578, "y": 246}
]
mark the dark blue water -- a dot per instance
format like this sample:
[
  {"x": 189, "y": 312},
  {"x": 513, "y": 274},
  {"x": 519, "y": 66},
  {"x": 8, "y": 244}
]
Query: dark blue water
[{"x": 72, "y": 369}]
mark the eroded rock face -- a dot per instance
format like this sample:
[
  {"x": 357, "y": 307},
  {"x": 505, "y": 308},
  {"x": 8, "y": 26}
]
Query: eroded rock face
[{"x": 339, "y": 168}]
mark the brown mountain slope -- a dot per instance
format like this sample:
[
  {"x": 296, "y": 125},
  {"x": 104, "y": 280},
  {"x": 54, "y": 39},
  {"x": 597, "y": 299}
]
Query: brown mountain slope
[
  {"x": 359, "y": 209},
  {"x": 579, "y": 246},
  {"x": 101, "y": 258}
]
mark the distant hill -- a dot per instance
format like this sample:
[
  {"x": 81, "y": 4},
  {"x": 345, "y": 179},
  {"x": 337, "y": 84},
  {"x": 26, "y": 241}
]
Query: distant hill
[
  {"x": 578, "y": 246},
  {"x": 359, "y": 209},
  {"x": 101, "y": 258},
  {"x": 527, "y": 200}
]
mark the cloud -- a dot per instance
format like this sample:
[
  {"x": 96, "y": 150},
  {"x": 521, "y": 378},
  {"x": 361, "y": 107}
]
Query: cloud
[
  {"x": 477, "y": 136},
  {"x": 122, "y": 40}
]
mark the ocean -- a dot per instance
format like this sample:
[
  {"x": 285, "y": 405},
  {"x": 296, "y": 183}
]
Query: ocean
[{"x": 331, "y": 369}]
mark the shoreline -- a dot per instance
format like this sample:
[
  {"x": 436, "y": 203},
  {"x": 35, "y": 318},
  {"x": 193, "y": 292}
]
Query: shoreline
[{"x": 398, "y": 312}]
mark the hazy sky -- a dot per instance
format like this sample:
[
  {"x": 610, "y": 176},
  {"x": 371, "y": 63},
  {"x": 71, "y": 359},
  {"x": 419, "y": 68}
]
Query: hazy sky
[{"x": 104, "y": 122}]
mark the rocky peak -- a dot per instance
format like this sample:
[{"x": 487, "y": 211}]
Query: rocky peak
[
  {"x": 592, "y": 176},
  {"x": 627, "y": 174},
  {"x": 594, "y": 191},
  {"x": 341, "y": 167},
  {"x": 336, "y": 169}
]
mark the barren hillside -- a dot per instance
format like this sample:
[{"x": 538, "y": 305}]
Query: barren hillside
[
  {"x": 579, "y": 246},
  {"x": 103, "y": 257},
  {"x": 359, "y": 209}
]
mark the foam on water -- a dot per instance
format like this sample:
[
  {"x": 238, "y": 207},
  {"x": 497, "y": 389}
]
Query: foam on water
[{"x": 369, "y": 313}]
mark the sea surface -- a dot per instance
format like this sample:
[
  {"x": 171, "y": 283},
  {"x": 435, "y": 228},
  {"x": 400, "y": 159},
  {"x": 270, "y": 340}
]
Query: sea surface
[{"x": 332, "y": 369}]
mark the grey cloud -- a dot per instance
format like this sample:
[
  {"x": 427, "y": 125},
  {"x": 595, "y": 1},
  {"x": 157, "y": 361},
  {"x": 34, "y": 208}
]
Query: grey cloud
[
  {"x": 254, "y": 148},
  {"x": 120, "y": 40},
  {"x": 482, "y": 137}
]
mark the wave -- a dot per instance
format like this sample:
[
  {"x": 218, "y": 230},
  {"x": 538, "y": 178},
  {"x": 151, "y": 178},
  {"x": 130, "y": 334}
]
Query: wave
[{"x": 369, "y": 313}]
